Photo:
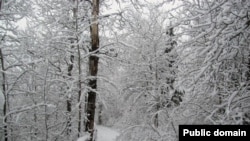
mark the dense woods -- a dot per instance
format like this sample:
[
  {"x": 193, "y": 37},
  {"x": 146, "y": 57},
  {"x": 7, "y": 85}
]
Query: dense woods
[{"x": 140, "y": 67}]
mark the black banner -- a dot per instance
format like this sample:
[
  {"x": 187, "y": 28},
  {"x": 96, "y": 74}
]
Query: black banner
[{"x": 214, "y": 132}]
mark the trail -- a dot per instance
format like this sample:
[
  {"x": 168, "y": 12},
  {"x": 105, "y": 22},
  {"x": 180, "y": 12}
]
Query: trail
[{"x": 103, "y": 134}]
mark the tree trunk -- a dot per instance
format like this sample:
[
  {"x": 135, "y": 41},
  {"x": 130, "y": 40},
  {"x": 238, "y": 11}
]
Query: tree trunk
[
  {"x": 158, "y": 97},
  {"x": 80, "y": 90},
  {"x": 69, "y": 105},
  {"x": 100, "y": 114},
  {"x": 5, "y": 95},
  {"x": 70, "y": 69},
  {"x": 4, "y": 91},
  {"x": 46, "y": 115},
  {"x": 93, "y": 69}
]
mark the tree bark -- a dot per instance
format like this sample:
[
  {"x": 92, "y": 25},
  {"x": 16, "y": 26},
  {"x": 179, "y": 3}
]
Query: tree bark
[
  {"x": 69, "y": 99},
  {"x": 5, "y": 95},
  {"x": 100, "y": 114},
  {"x": 93, "y": 69},
  {"x": 80, "y": 89},
  {"x": 46, "y": 115},
  {"x": 4, "y": 90},
  {"x": 70, "y": 69}
]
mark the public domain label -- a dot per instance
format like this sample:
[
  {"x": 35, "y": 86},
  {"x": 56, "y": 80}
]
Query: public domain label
[{"x": 215, "y": 132}]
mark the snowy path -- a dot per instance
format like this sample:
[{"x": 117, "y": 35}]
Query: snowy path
[{"x": 104, "y": 134}]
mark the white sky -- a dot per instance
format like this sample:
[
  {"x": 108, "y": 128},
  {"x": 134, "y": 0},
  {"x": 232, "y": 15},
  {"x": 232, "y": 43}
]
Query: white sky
[{"x": 116, "y": 6}]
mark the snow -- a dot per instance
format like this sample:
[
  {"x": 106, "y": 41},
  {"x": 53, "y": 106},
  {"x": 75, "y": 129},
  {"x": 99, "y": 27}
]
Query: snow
[
  {"x": 84, "y": 138},
  {"x": 103, "y": 134},
  {"x": 106, "y": 134}
]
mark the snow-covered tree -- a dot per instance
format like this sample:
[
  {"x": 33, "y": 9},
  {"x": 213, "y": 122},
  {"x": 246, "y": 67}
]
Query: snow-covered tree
[
  {"x": 11, "y": 12},
  {"x": 216, "y": 59},
  {"x": 150, "y": 91}
]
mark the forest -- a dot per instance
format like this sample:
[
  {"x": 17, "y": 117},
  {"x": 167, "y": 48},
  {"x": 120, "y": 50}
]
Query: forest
[{"x": 73, "y": 68}]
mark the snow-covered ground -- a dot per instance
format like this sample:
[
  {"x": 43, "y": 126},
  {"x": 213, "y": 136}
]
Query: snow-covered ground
[{"x": 103, "y": 134}]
